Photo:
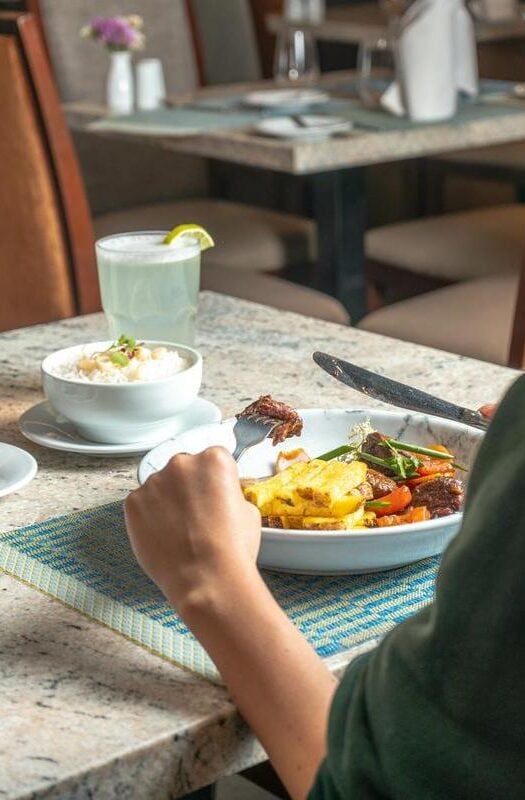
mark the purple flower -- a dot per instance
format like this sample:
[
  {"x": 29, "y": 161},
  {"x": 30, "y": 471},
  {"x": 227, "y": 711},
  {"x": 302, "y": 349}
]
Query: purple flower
[{"x": 116, "y": 33}]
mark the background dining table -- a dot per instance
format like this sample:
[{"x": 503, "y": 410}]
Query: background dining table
[
  {"x": 354, "y": 23},
  {"x": 330, "y": 170},
  {"x": 85, "y": 712}
]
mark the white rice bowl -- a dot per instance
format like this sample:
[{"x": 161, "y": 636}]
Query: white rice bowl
[{"x": 111, "y": 406}]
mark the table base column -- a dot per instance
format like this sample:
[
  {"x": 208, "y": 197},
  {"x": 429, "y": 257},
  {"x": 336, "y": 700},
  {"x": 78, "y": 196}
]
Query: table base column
[{"x": 339, "y": 208}]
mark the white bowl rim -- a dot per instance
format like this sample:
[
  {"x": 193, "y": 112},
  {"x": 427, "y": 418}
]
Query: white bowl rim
[
  {"x": 195, "y": 354},
  {"x": 190, "y": 242}
]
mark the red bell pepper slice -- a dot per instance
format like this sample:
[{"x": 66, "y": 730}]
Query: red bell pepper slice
[{"x": 397, "y": 500}]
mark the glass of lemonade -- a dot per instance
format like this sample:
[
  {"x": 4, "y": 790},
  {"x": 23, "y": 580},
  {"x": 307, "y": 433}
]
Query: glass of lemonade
[{"x": 149, "y": 289}]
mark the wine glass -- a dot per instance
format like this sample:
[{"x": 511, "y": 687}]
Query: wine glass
[
  {"x": 376, "y": 69},
  {"x": 296, "y": 56}
]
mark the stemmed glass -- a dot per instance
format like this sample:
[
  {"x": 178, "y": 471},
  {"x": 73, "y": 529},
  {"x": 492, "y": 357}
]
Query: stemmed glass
[
  {"x": 376, "y": 69},
  {"x": 296, "y": 57}
]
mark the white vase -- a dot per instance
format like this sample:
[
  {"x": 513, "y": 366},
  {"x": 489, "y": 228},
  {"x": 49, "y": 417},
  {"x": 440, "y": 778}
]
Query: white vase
[{"x": 120, "y": 83}]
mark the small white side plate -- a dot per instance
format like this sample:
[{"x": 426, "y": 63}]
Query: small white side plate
[
  {"x": 40, "y": 424},
  {"x": 316, "y": 127},
  {"x": 17, "y": 468},
  {"x": 285, "y": 98}
]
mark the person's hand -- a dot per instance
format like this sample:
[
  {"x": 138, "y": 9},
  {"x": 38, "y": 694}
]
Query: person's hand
[
  {"x": 191, "y": 529},
  {"x": 489, "y": 410}
]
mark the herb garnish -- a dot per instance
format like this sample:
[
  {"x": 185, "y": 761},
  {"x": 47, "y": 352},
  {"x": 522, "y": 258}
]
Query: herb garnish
[
  {"x": 123, "y": 350},
  {"x": 120, "y": 359},
  {"x": 402, "y": 467},
  {"x": 373, "y": 505}
]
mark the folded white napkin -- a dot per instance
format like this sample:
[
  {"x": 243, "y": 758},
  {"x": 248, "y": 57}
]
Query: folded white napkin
[{"x": 436, "y": 57}]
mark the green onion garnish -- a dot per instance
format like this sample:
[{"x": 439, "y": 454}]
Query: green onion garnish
[
  {"x": 373, "y": 505},
  {"x": 423, "y": 451},
  {"x": 126, "y": 341},
  {"x": 119, "y": 358},
  {"x": 337, "y": 453}
]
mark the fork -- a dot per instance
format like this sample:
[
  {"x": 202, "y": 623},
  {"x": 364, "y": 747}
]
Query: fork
[{"x": 252, "y": 430}]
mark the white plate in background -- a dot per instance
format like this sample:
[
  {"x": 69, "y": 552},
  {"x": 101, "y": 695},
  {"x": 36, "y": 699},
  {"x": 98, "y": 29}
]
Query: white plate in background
[
  {"x": 285, "y": 98},
  {"x": 315, "y": 127}
]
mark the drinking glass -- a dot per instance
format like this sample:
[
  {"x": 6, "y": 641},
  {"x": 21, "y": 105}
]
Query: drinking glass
[
  {"x": 149, "y": 290},
  {"x": 151, "y": 85},
  {"x": 376, "y": 68},
  {"x": 296, "y": 57}
]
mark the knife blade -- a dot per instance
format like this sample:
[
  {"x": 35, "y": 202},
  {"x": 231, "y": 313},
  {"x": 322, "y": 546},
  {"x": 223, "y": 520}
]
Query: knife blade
[{"x": 395, "y": 393}]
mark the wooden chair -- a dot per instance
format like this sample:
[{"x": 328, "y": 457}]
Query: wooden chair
[
  {"x": 482, "y": 319},
  {"x": 47, "y": 267},
  {"x": 266, "y": 40}
]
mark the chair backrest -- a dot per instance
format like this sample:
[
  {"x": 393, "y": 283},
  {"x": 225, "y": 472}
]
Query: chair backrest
[
  {"x": 121, "y": 174},
  {"x": 229, "y": 44},
  {"x": 47, "y": 263},
  {"x": 80, "y": 66},
  {"x": 266, "y": 40},
  {"x": 517, "y": 345}
]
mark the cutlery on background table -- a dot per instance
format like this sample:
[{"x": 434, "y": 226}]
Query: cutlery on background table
[{"x": 397, "y": 394}]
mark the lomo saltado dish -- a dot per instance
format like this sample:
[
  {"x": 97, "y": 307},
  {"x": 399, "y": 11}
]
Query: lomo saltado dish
[{"x": 373, "y": 481}]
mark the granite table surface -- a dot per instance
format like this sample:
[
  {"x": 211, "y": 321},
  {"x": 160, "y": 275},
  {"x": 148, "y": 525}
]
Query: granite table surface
[
  {"x": 296, "y": 157},
  {"x": 86, "y": 713}
]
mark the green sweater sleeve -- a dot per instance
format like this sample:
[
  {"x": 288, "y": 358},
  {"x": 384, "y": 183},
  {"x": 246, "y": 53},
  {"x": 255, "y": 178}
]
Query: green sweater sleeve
[{"x": 438, "y": 709}]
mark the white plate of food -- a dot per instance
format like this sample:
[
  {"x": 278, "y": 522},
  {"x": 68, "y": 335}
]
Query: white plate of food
[
  {"x": 285, "y": 98},
  {"x": 348, "y": 550}
]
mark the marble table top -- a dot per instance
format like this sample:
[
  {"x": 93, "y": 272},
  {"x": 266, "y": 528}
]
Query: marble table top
[
  {"x": 86, "y": 713},
  {"x": 360, "y": 148}
]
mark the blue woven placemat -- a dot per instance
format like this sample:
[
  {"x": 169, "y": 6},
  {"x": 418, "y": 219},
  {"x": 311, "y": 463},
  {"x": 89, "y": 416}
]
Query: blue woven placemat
[{"x": 84, "y": 560}]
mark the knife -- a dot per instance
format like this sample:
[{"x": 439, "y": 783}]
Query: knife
[{"x": 395, "y": 393}]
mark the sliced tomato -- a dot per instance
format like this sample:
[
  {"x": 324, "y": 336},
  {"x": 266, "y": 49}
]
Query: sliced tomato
[
  {"x": 431, "y": 466},
  {"x": 418, "y": 514}
]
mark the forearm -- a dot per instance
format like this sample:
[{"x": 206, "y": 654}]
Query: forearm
[{"x": 280, "y": 685}]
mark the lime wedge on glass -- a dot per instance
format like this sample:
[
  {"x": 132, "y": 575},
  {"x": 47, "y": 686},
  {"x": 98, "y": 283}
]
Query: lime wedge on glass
[{"x": 190, "y": 231}]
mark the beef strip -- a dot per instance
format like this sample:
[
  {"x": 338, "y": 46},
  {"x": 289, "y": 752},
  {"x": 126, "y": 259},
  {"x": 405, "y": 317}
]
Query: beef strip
[
  {"x": 442, "y": 496},
  {"x": 381, "y": 484},
  {"x": 266, "y": 406},
  {"x": 373, "y": 445}
]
